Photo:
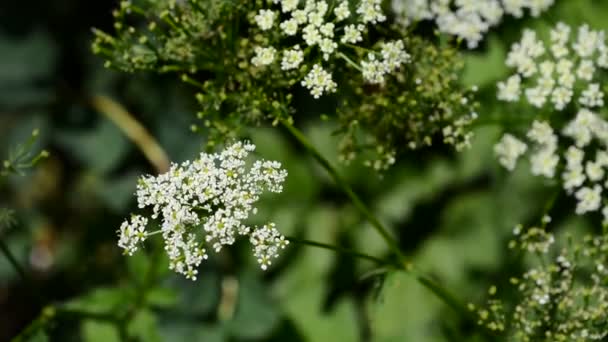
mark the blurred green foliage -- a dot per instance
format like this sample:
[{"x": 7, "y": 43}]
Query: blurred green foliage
[{"x": 452, "y": 212}]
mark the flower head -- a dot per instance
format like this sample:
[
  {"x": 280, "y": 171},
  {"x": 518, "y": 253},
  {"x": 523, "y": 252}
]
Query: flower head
[
  {"x": 205, "y": 204},
  {"x": 330, "y": 34}
]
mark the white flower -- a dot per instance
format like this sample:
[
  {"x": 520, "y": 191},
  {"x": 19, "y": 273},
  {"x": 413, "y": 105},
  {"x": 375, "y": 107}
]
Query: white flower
[
  {"x": 589, "y": 199},
  {"x": 573, "y": 178},
  {"x": 542, "y": 133},
  {"x": 292, "y": 58},
  {"x": 562, "y": 69},
  {"x": 373, "y": 69},
  {"x": 289, "y": 5},
  {"x": 265, "y": 19},
  {"x": 267, "y": 241},
  {"x": 352, "y": 34},
  {"x": 394, "y": 55},
  {"x": 371, "y": 11},
  {"x": 586, "y": 69},
  {"x": 263, "y": 56},
  {"x": 544, "y": 162},
  {"x": 561, "y": 97},
  {"x": 311, "y": 36},
  {"x": 342, "y": 12},
  {"x": 594, "y": 171},
  {"x": 592, "y": 96},
  {"x": 316, "y": 26},
  {"x": 328, "y": 47},
  {"x": 469, "y": 20},
  {"x": 132, "y": 233},
  {"x": 319, "y": 81},
  {"x": 508, "y": 150},
  {"x": 581, "y": 128},
  {"x": 289, "y": 27},
  {"x": 205, "y": 203},
  {"x": 510, "y": 91}
]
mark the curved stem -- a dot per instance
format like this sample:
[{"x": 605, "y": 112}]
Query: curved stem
[
  {"x": 338, "y": 249},
  {"x": 446, "y": 296},
  {"x": 341, "y": 182}
]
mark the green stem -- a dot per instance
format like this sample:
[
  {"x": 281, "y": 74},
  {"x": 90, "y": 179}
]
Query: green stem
[
  {"x": 349, "y": 61},
  {"x": 427, "y": 282},
  {"x": 13, "y": 261},
  {"x": 338, "y": 249},
  {"x": 341, "y": 182}
]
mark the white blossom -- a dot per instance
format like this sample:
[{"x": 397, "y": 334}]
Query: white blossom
[
  {"x": 205, "y": 204},
  {"x": 292, "y": 58},
  {"x": 324, "y": 29},
  {"x": 264, "y": 56},
  {"x": 508, "y": 150},
  {"x": 551, "y": 77},
  {"x": 342, "y": 11},
  {"x": 265, "y": 19},
  {"x": 319, "y": 82},
  {"x": 469, "y": 20},
  {"x": 589, "y": 199},
  {"x": 132, "y": 233}
]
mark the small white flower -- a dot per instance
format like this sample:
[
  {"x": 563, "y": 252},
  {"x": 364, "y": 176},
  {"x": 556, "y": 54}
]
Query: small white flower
[
  {"x": 544, "y": 162},
  {"x": 511, "y": 90},
  {"x": 292, "y": 58},
  {"x": 266, "y": 242},
  {"x": 394, "y": 54},
  {"x": 132, "y": 234},
  {"x": 542, "y": 133},
  {"x": 311, "y": 36},
  {"x": 508, "y": 150},
  {"x": 592, "y": 96},
  {"x": 327, "y": 30},
  {"x": 373, "y": 69},
  {"x": 352, "y": 34},
  {"x": 328, "y": 47},
  {"x": 263, "y": 56},
  {"x": 595, "y": 171},
  {"x": 290, "y": 27},
  {"x": 561, "y": 97},
  {"x": 342, "y": 12},
  {"x": 319, "y": 81},
  {"x": 371, "y": 11},
  {"x": 586, "y": 69},
  {"x": 289, "y": 5},
  {"x": 589, "y": 199},
  {"x": 265, "y": 19}
]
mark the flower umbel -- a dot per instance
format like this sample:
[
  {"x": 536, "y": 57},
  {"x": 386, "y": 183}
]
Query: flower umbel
[
  {"x": 325, "y": 35},
  {"x": 204, "y": 204}
]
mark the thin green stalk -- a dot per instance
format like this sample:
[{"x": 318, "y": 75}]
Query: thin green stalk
[
  {"x": 13, "y": 261},
  {"x": 427, "y": 282},
  {"x": 341, "y": 182},
  {"x": 338, "y": 249}
]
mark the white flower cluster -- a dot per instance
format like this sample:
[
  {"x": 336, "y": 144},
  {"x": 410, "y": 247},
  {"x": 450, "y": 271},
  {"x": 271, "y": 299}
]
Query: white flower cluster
[
  {"x": 466, "y": 19},
  {"x": 586, "y": 159},
  {"x": 555, "y": 73},
  {"x": 211, "y": 198},
  {"x": 323, "y": 30}
]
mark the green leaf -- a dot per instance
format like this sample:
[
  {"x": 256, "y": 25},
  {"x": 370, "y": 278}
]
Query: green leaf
[
  {"x": 404, "y": 311},
  {"x": 162, "y": 297},
  {"x": 256, "y": 315},
  {"x": 485, "y": 69},
  {"x": 101, "y": 301},
  {"x": 95, "y": 331},
  {"x": 144, "y": 327},
  {"x": 100, "y": 149}
]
